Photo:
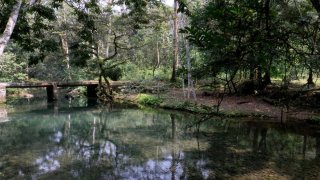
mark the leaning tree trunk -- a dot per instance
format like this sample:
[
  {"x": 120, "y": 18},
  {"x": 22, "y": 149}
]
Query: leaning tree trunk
[{"x": 6, "y": 35}]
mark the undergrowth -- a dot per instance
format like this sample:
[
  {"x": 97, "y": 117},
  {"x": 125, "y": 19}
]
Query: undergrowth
[{"x": 147, "y": 99}]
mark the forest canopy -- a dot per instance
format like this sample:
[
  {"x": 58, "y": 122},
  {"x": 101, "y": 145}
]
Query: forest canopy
[{"x": 225, "y": 40}]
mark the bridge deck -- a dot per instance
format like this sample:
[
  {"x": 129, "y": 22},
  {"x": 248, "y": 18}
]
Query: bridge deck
[
  {"x": 58, "y": 84},
  {"x": 52, "y": 87}
]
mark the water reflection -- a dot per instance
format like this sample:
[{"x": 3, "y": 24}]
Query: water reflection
[
  {"x": 124, "y": 143},
  {"x": 49, "y": 162},
  {"x": 3, "y": 115}
]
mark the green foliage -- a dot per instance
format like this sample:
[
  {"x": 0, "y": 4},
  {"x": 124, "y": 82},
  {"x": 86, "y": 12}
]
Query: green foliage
[
  {"x": 132, "y": 71},
  {"x": 147, "y": 99},
  {"x": 260, "y": 37},
  {"x": 228, "y": 39},
  {"x": 32, "y": 31},
  {"x": 11, "y": 69},
  {"x": 82, "y": 90},
  {"x": 89, "y": 28},
  {"x": 114, "y": 74}
]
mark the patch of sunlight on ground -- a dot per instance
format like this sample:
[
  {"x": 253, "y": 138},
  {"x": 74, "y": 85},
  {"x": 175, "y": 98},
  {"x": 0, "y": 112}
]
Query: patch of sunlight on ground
[{"x": 297, "y": 81}]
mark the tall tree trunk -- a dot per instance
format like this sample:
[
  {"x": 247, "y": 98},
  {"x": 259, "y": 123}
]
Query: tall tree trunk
[
  {"x": 310, "y": 78},
  {"x": 267, "y": 16},
  {"x": 6, "y": 35},
  {"x": 190, "y": 88},
  {"x": 64, "y": 41},
  {"x": 157, "y": 63},
  {"x": 259, "y": 76},
  {"x": 175, "y": 43},
  {"x": 158, "y": 55},
  {"x": 108, "y": 37},
  {"x": 251, "y": 73},
  {"x": 189, "y": 68},
  {"x": 267, "y": 77},
  {"x": 313, "y": 57},
  {"x": 65, "y": 50}
]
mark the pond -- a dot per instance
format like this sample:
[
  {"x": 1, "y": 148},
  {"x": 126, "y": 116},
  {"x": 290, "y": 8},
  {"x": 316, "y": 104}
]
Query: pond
[{"x": 119, "y": 142}]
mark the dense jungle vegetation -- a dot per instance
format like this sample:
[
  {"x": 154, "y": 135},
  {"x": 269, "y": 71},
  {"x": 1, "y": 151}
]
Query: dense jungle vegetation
[
  {"x": 243, "y": 73},
  {"x": 232, "y": 46}
]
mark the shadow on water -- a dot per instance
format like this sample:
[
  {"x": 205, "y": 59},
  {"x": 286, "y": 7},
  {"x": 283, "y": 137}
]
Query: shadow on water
[{"x": 115, "y": 142}]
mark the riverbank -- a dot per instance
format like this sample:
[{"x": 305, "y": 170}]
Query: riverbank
[
  {"x": 231, "y": 105},
  {"x": 262, "y": 106}
]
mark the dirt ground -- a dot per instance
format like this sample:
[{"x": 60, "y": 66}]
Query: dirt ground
[{"x": 252, "y": 104}]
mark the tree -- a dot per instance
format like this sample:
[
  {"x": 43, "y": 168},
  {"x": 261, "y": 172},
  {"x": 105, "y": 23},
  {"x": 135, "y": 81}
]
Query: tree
[
  {"x": 6, "y": 35},
  {"x": 12, "y": 10},
  {"x": 25, "y": 23},
  {"x": 105, "y": 34},
  {"x": 175, "y": 42},
  {"x": 251, "y": 37}
]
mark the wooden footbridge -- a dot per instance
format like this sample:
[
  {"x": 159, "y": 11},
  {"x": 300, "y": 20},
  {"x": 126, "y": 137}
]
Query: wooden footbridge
[{"x": 52, "y": 88}]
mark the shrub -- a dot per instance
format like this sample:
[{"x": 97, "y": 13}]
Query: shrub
[
  {"x": 114, "y": 74},
  {"x": 11, "y": 69},
  {"x": 147, "y": 99},
  {"x": 135, "y": 72}
]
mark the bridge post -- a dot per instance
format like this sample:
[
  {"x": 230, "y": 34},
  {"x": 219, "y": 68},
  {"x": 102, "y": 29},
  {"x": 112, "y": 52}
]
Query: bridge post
[
  {"x": 3, "y": 93},
  {"x": 52, "y": 92},
  {"x": 92, "y": 91}
]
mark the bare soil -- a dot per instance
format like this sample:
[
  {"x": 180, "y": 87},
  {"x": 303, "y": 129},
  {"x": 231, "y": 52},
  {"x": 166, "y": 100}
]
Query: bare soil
[
  {"x": 233, "y": 104},
  {"x": 251, "y": 104}
]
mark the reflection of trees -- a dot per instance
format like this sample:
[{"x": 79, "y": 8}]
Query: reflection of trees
[
  {"x": 259, "y": 145},
  {"x": 249, "y": 147},
  {"x": 105, "y": 141},
  {"x": 173, "y": 148},
  {"x": 304, "y": 149},
  {"x": 123, "y": 143},
  {"x": 175, "y": 152},
  {"x": 317, "y": 147}
]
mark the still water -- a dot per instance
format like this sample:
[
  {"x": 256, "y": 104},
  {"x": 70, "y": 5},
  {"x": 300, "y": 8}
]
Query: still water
[{"x": 118, "y": 142}]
